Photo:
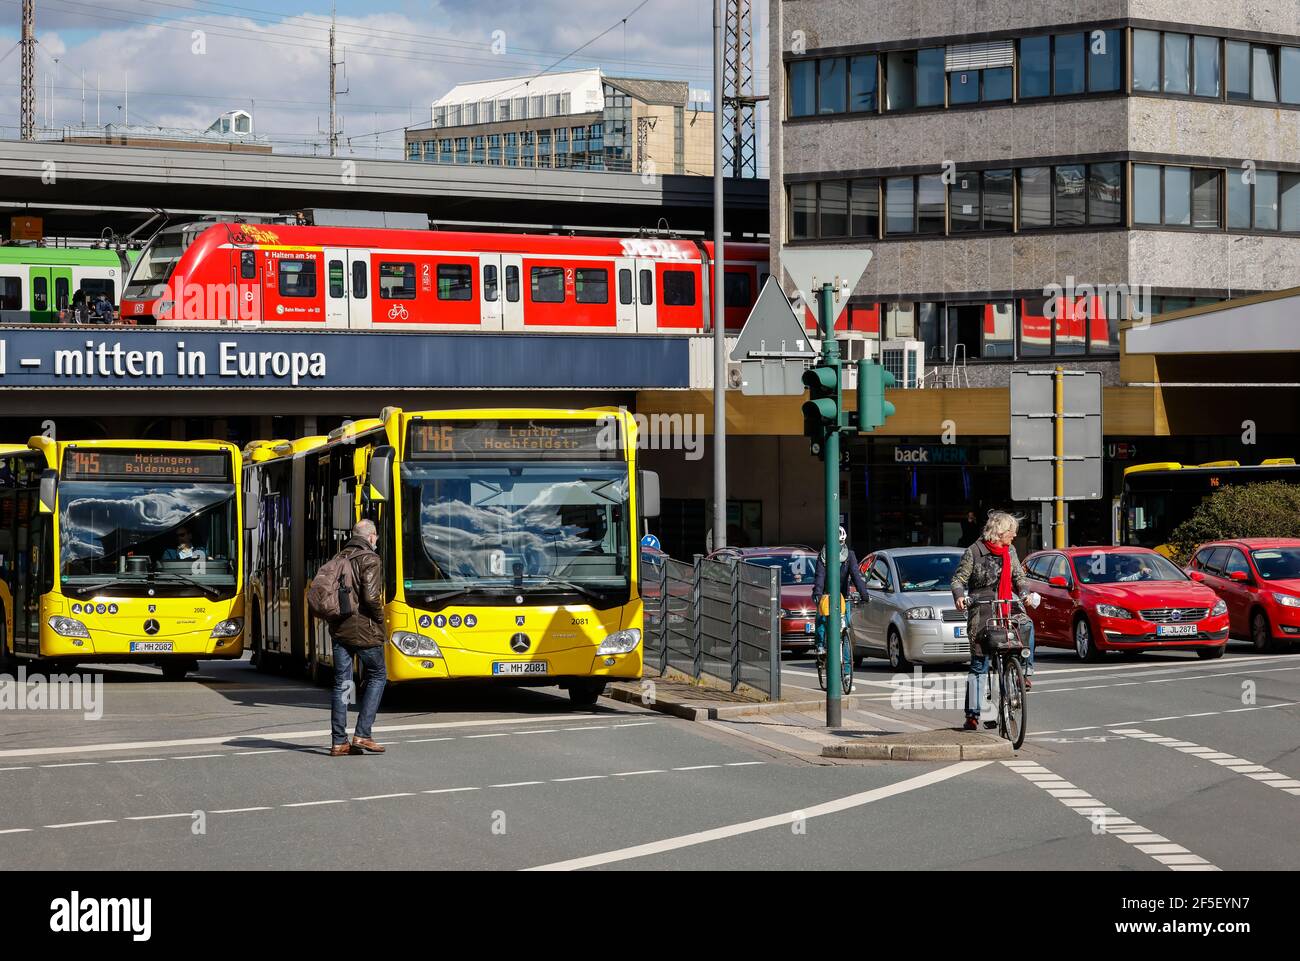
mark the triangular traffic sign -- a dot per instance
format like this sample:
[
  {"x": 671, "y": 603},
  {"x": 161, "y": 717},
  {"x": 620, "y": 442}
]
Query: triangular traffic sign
[
  {"x": 810, "y": 267},
  {"x": 772, "y": 327}
]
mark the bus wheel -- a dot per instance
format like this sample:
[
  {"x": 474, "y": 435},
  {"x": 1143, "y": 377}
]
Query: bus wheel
[
  {"x": 585, "y": 693},
  {"x": 176, "y": 670}
]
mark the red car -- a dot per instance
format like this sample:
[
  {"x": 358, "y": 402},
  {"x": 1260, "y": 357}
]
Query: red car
[
  {"x": 1098, "y": 599},
  {"x": 1259, "y": 579},
  {"x": 798, "y": 567}
]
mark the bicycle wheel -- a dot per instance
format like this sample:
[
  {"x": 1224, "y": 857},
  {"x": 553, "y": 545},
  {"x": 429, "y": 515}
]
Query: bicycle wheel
[
  {"x": 821, "y": 671},
  {"x": 846, "y": 670},
  {"x": 1013, "y": 708}
]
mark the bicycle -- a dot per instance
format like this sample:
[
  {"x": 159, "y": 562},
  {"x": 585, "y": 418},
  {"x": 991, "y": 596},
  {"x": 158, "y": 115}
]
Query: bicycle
[
  {"x": 846, "y": 657},
  {"x": 1000, "y": 640}
]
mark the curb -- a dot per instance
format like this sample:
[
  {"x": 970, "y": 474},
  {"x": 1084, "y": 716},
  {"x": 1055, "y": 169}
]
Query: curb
[
  {"x": 983, "y": 751},
  {"x": 714, "y": 712}
]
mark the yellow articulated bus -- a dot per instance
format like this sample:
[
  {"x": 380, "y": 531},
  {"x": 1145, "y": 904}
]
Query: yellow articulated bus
[
  {"x": 509, "y": 540},
  {"x": 121, "y": 550}
]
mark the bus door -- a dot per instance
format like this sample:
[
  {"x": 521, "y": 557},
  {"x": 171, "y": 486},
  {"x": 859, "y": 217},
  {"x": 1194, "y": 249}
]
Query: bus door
[
  {"x": 512, "y": 289},
  {"x": 42, "y": 300},
  {"x": 625, "y": 295},
  {"x": 491, "y": 299},
  {"x": 644, "y": 294},
  {"x": 29, "y": 561}
]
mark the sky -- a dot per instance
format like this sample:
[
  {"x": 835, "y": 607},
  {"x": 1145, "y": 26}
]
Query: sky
[{"x": 183, "y": 62}]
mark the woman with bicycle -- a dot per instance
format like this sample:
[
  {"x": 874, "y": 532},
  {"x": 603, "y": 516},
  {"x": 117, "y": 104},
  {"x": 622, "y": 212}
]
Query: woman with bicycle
[{"x": 990, "y": 571}]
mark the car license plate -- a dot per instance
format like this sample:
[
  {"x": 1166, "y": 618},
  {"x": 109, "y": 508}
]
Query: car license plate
[
  {"x": 151, "y": 647},
  {"x": 959, "y": 631},
  {"x": 519, "y": 667},
  {"x": 808, "y": 627},
  {"x": 1175, "y": 630}
]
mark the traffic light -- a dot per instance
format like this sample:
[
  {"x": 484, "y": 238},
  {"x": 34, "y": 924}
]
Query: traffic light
[
  {"x": 821, "y": 413},
  {"x": 873, "y": 409}
]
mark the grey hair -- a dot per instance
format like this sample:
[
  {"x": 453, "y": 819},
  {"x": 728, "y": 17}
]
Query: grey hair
[
  {"x": 999, "y": 523},
  {"x": 364, "y": 528}
]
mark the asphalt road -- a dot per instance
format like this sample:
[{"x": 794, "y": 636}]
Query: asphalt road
[{"x": 1147, "y": 764}]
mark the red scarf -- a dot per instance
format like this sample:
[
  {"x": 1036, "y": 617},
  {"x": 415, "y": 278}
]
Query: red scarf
[{"x": 1004, "y": 579}]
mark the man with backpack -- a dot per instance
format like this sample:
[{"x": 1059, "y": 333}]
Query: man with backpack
[{"x": 347, "y": 593}]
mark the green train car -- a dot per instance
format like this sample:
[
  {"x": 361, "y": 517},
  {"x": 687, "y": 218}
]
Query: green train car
[{"x": 38, "y": 283}]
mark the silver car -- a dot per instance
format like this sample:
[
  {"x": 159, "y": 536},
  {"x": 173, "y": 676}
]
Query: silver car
[{"x": 911, "y": 617}]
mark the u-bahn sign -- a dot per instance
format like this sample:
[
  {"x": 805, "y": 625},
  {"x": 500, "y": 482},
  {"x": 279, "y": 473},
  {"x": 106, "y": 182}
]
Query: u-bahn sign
[{"x": 182, "y": 358}]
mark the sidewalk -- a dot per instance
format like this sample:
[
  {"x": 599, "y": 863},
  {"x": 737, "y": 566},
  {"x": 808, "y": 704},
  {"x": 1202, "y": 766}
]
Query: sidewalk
[{"x": 870, "y": 730}]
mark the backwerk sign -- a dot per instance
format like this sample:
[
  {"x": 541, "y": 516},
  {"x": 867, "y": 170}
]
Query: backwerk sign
[{"x": 99, "y": 357}]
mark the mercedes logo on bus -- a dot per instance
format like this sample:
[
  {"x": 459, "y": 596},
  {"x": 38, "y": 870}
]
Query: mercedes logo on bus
[
  {"x": 519, "y": 643},
  {"x": 151, "y": 626}
]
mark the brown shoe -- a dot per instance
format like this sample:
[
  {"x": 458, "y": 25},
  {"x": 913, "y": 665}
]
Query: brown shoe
[
  {"x": 369, "y": 745},
  {"x": 344, "y": 749}
]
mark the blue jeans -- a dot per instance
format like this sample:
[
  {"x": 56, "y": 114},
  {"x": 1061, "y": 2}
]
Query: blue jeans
[
  {"x": 979, "y": 664},
  {"x": 374, "y": 676}
]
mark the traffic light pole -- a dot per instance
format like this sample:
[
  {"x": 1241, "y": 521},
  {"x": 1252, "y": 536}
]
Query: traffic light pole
[{"x": 831, "y": 358}]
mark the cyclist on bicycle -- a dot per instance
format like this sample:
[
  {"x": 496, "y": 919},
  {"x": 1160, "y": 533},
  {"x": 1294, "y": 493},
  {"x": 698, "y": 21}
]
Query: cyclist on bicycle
[
  {"x": 990, "y": 570},
  {"x": 849, "y": 572}
]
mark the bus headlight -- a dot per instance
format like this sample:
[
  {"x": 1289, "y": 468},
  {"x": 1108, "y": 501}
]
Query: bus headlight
[
  {"x": 416, "y": 645},
  {"x": 620, "y": 642},
  {"x": 68, "y": 626},
  {"x": 229, "y": 628}
]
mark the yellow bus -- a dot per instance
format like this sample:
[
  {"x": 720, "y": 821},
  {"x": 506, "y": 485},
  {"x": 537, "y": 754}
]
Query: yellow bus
[
  {"x": 509, "y": 539},
  {"x": 121, "y": 550}
]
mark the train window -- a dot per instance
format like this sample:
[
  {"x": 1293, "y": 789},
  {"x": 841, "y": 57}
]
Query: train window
[
  {"x": 512, "y": 284},
  {"x": 397, "y": 282},
  {"x": 92, "y": 287},
  {"x": 297, "y": 278},
  {"x": 40, "y": 294},
  {"x": 625, "y": 286},
  {"x": 679, "y": 288},
  {"x": 336, "y": 278},
  {"x": 490, "y": 283},
  {"x": 11, "y": 293},
  {"x": 359, "y": 282},
  {"x": 61, "y": 293},
  {"x": 647, "y": 287},
  {"x": 736, "y": 290},
  {"x": 248, "y": 264},
  {"x": 547, "y": 284},
  {"x": 591, "y": 285},
  {"x": 455, "y": 282}
]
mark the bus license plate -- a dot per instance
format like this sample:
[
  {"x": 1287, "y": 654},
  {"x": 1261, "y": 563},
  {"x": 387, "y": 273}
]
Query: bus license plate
[
  {"x": 1175, "y": 630},
  {"x": 519, "y": 667},
  {"x": 151, "y": 647}
]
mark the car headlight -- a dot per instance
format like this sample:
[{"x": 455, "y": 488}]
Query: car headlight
[
  {"x": 1119, "y": 613},
  {"x": 1220, "y": 608},
  {"x": 416, "y": 645},
  {"x": 68, "y": 626},
  {"x": 1286, "y": 600},
  {"x": 229, "y": 627},
  {"x": 786, "y": 613},
  {"x": 920, "y": 614},
  {"x": 620, "y": 642}
]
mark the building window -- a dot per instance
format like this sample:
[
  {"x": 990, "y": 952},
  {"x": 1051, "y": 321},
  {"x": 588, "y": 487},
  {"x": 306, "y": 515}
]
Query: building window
[
  {"x": 1206, "y": 69},
  {"x": 1238, "y": 57},
  {"x": 679, "y": 288},
  {"x": 1290, "y": 77},
  {"x": 1035, "y": 67},
  {"x": 899, "y": 205},
  {"x": 1068, "y": 64},
  {"x": 1146, "y": 61},
  {"x": 964, "y": 203},
  {"x": 963, "y": 86},
  {"x": 1263, "y": 74},
  {"x": 455, "y": 282},
  {"x": 931, "y": 204},
  {"x": 1071, "y": 196},
  {"x": 1205, "y": 199},
  {"x": 397, "y": 281},
  {"x": 833, "y": 208},
  {"x": 997, "y": 200},
  {"x": 297, "y": 278},
  {"x": 832, "y": 85},
  {"x": 930, "y": 77},
  {"x": 1239, "y": 209},
  {"x": 862, "y": 84},
  {"x": 1177, "y": 65},
  {"x": 803, "y": 88},
  {"x": 1265, "y": 200},
  {"x": 900, "y": 80},
  {"x": 1290, "y": 202},
  {"x": 864, "y": 208},
  {"x": 1035, "y": 197},
  {"x": 1146, "y": 194},
  {"x": 1176, "y": 196},
  {"x": 547, "y": 285},
  {"x": 1105, "y": 61},
  {"x": 803, "y": 211},
  {"x": 1105, "y": 193}
]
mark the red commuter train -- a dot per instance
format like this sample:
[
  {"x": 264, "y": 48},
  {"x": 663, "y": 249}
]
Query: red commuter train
[{"x": 384, "y": 279}]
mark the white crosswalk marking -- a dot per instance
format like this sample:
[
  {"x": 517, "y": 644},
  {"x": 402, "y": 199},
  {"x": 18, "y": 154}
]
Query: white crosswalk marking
[
  {"x": 1250, "y": 769},
  {"x": 1173, "y": 856}
]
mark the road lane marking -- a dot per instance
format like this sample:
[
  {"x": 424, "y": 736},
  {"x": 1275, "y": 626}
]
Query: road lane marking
[
  {"x": 79, "y": 824},
  {"x": 308, "y": 804},
  {"x": 65, "y": 764},
  {"x": 695, "y": 767},
  {"x": 195, "y": 757},
  {"x": 270, "y": 736},
  {"x": 584, "y": 777},
  {"x": 1177, "y": 717},
  {"x": 744, "y": 763},
  {"x": 16, "y": 831},
  {"x": 160, "y": 817},
  {"x": 26, "y": 768},
  {"x": 633, "y": 773},
  {"x": 382, "y": 797},
  {"x": 430, "y": 740},
  {"x": 449, "y": 790},
  {"x": 136, "y": 760},
  {"x": 517, "y": 784},
  {"x": 272, "y": 750},
  {"x": 761, "y": 824},
  {"x": 1079, "y": 801},
  {"x": 1256, "y": 772},
  {"x": 470, "y": 737},
  {"x": 240, "y": 810}
]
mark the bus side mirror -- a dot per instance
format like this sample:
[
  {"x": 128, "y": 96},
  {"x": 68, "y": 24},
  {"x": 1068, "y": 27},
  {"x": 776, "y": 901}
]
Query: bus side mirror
[
  {"x": 252, "y": 509},
  {"x": 379, "y": 478},
  {"x": 648, "y": 493},
  {"x": 342, "y": 511},
  {"x": 49, "y": 489}
]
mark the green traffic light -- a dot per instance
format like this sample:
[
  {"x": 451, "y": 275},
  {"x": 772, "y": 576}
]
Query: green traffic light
[{"x": 873, "y": 409}]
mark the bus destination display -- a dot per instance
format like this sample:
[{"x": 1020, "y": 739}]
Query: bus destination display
[
  {"x": 549, "y": 439},
  {"x": 170, "y": 465}
]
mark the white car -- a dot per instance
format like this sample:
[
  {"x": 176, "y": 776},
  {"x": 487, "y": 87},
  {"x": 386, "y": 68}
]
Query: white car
[{"x": 911, "y": 617}]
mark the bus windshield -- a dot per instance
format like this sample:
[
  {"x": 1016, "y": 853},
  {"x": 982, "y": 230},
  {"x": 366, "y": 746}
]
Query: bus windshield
[
  {"x": 515, "y": 525},
  {"x": 128, "y": 533}
]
